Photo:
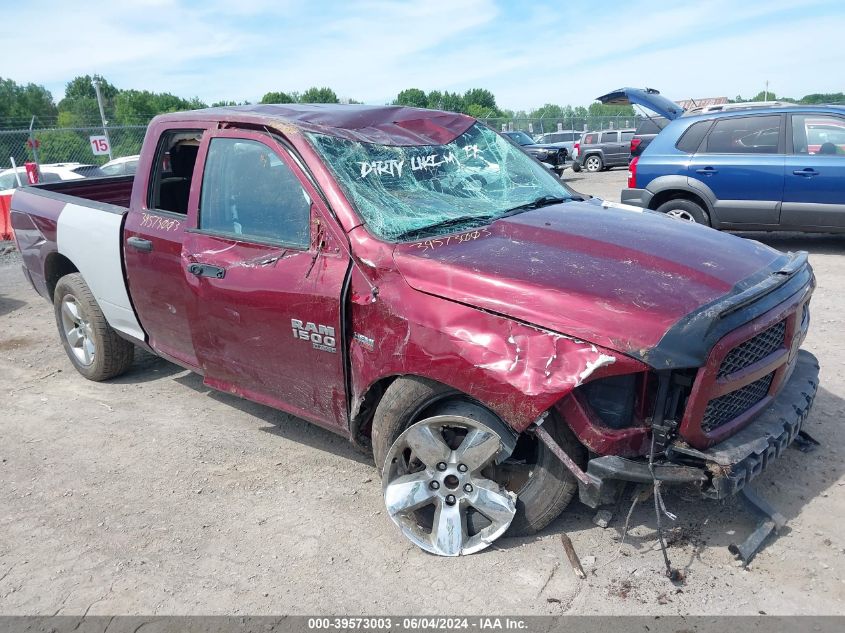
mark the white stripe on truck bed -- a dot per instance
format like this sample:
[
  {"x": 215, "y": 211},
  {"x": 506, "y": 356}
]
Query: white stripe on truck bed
[{"x": 92, "y": 240}]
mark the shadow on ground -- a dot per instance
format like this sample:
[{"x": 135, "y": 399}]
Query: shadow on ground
[
  {"x": 813, "y": 243},
  {"x": 9, "y": 305},
  {"x": 790, "y": 482},
  {"x": 281, "y": 424}
]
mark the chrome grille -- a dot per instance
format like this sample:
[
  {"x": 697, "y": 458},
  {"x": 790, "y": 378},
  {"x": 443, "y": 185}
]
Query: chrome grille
[
  {"x": 754, "y": 349},
  {"x": 725, "y": 408}
]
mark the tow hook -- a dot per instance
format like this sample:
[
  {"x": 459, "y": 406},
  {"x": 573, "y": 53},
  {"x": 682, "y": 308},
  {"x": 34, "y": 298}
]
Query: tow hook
[
  {"x": 543, "y": 435},
  {"x": 770, "y": 520}
]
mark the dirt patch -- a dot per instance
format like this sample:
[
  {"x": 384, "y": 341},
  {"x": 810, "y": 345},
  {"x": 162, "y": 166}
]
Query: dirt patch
[{"x": 14, "y": 343}]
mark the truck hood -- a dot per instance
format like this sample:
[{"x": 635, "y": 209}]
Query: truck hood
[{"x": 611, "y": 275}]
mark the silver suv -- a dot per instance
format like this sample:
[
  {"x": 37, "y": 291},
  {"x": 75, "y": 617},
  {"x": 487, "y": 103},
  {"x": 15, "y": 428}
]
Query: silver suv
[{"x": 604, "y": 149}]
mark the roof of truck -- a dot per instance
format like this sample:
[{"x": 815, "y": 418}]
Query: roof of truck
[{"x": 385, "y": 125}]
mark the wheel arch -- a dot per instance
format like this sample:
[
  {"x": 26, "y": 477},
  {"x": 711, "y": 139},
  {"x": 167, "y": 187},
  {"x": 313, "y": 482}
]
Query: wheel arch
[
  {"x": 677, "y": 194},
  {"x": 57, "y": 266},
  {"x": 364, "y": 406},
  {"x": 670, "y": 187}
]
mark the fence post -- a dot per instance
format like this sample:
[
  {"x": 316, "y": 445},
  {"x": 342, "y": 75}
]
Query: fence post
[
  {"x": 34, "y": 145},
  {"x": 102, "y": 115}
]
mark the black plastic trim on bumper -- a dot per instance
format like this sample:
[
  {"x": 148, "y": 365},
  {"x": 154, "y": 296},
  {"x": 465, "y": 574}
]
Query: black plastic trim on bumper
[
  {"x": 737, "y": 460},
  {"x": 636, "y": 197},
  {"x": 724, "y": 469}
]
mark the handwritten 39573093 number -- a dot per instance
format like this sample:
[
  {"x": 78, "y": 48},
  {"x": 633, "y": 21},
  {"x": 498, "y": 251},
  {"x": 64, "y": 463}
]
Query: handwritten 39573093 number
[
  {"x": 148, "y": 220},
  {"x": 453, "y": 239}
]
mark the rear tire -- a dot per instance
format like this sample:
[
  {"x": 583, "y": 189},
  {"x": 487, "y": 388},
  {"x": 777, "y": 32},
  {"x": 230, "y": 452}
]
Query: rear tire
[
  {"x": 593, "y": 163},
  {"x": 550, "y": 487},
  {"x": 576, "y": 167},
  {"x": 684, "y": 209},
  {"x": 92, "y": 345}
]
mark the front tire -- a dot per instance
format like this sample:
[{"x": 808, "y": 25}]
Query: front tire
[
  {"x": 92, "y": 345},
  {"x": 686, "y": 210},
  {"x": 544, "y": 486}
]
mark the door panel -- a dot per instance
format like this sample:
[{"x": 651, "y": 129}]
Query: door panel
[
  {"x": 742, "y": 163},
  {"x": 814, "y": 193},
  {"x": 610, "y": 147},
  {"x": 152, "y": 248},
  {"x": 266, "y": 298}
]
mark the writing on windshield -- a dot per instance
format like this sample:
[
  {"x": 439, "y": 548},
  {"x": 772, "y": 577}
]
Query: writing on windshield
[{"x": 401, "y": 191}]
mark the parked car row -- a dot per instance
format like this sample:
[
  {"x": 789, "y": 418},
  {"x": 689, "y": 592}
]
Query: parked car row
[
  {"x": 58, "y": 172},
  {"x": 749, "y": 166},
  {"x": 54, "y": 172}
]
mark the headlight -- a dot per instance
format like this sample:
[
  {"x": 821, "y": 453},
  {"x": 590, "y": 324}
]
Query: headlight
[{"x": 612, "y": 399}]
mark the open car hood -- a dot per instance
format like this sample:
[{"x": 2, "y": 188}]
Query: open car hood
[
  {"x": 646, "y": 97},
  {"x": 616, "y": 278}
]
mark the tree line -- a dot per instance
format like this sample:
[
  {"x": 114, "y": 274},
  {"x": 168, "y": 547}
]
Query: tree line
[
  {"x": 817, "y": 98},
  {"x": 78, "y": 108},
  {"x": 19, "y": 103}
]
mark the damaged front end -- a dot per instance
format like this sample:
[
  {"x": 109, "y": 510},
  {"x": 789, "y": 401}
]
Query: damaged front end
[{"x": 717, "y": 426}]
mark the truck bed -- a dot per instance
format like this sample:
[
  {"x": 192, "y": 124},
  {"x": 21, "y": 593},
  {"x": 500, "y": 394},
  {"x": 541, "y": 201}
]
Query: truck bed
[
  {"x": 77, "y": 226},
  {"x": 114, "y": 190}
]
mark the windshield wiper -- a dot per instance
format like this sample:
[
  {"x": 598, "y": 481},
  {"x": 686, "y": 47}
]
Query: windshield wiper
[
  {"x": 542, "y": 201},
  {"x": 443, "y": 224}
]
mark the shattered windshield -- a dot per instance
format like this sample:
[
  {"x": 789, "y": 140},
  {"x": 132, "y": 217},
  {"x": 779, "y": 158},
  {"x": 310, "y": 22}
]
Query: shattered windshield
[{"x": 407, "y": 192}]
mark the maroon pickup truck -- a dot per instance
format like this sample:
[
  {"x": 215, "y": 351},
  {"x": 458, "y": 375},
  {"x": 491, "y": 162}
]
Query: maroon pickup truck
[{"x": 411, "y": 280}]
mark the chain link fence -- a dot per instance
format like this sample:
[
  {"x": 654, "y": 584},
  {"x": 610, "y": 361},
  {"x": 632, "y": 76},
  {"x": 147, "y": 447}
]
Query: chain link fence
[
  {"x": 538, "y": 127},
  {"x": 74, "y": 145},
  {"x": 67, "y": 145}
]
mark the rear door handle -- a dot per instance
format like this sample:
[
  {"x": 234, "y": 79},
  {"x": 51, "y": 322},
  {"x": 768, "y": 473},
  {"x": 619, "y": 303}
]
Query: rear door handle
[
  {"x": 207, "y": 270},
  {"x": 807, "y": 172},
  {"x": 707, "y": 170},
  {"x": 139, "y": 243}
]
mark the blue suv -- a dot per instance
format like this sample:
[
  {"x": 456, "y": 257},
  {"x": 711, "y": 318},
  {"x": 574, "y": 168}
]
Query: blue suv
[{"x": 752, "y": 168}]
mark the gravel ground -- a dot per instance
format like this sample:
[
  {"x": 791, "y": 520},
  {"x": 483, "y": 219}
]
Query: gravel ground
[{"x": 151, "y": 494}]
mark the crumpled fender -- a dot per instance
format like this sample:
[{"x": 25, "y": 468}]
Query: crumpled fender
[{"x": 517, "y": 370}]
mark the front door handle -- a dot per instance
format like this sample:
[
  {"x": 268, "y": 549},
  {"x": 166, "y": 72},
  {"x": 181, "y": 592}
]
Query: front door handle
[
  {"x": 807, "y": 172},
  {"x": 207, "y": 270},
  {"x": 139, "y": 243},
  {"x": 707, "y": 170}
]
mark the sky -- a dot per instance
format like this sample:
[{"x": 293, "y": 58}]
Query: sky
[{"x": 526, "y": 53}]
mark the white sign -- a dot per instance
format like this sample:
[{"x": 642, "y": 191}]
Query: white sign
[{"x": 100, "y": 145}]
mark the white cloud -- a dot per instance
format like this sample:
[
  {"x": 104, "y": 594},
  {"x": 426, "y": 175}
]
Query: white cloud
[{"x": 539, "y": 53}]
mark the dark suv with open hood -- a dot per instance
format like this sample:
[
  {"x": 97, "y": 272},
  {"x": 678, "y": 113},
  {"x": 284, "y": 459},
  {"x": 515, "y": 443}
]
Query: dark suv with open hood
[{"x": 550, "y": 153}]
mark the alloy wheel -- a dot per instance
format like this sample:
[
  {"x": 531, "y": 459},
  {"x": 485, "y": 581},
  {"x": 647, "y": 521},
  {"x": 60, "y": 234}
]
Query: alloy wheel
[
  {"x": 437, "y": 489},
  {"x": 680, "y": 214},
  {"x": 78, "y": 332}
]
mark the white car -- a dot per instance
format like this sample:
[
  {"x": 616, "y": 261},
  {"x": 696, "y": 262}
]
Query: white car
[
  {"x": 54, "y": 172},
  {"x": 123, "y": 166}
]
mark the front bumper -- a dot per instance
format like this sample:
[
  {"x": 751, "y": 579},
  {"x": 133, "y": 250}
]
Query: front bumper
[
  {"x": 554, "y": 159},
  {"x": 636, "y": 197},
  {"x": 724, "y": 469}
]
